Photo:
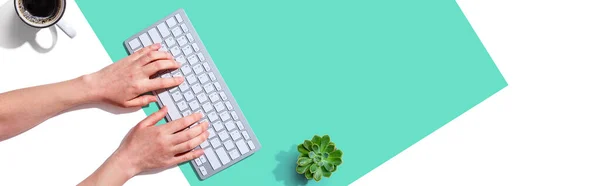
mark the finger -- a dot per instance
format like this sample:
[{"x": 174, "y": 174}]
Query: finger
[
  {"x": 140, "y": 101},
  {"x": 153, "y": 56},
  {"x": 187, "y": 156},
  {"x": 154, "y": 117},
  {"x": 156, "y": 66},
  {"x": 162, "y": 83},
  {"x": 144, "y": 51},
  {"x": 189, "y": 134},
  {"x": 190, "y": 144},
  {"x": 182, "y": 123}
]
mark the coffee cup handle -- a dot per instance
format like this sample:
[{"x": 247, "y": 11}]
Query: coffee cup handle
[{"x": 65, "y": 27}]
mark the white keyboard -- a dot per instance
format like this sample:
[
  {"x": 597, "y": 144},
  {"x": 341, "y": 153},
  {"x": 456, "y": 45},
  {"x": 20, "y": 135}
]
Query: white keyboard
[{"x": 231, "y": 139}]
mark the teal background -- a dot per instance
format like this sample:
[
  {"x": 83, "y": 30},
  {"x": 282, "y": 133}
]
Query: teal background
[{"x": 377, "y": 76}]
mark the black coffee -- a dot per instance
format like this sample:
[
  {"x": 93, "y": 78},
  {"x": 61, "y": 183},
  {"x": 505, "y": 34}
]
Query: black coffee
[{"x": 41, "y": 8}]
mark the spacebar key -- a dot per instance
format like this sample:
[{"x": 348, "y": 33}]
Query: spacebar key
[{"x": 166, "y": 101}]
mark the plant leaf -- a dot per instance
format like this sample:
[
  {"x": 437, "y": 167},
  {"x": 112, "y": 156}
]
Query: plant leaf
[
  {"x": 308, "y": 175},
  {"x": 324, "y": 142},
  {"x": 315, "y": 147},
  {"x": 335, "y": 161},
  {"x": 316, "y": 140},
  {"x": 303, "y": 155},
  {"x": 313, "y": 168},
  {"x": 336, "y": 154},
  {"x": 330, "y": 148},
  {"x": 307, "y": 144},
  {"x": 326, "y": 173},
  {"x": 301, "y": 169},
  {"x": 303, "y": 161},
  {"x": 334, "y": 168},
  {"x": 328, "y": 166},
  {"x": 318, "y": 175},
  {"x": 302, "y": 150},
  {"x": 311, "y": 154}
]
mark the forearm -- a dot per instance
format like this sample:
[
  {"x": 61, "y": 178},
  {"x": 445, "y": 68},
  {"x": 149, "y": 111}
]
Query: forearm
[
  {"x": 23, "y": 109},
  {"x": 116, "y": 170}
]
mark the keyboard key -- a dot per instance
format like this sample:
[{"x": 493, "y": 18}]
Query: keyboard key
[
  {"x": 208, "y": 87},
  {"x": 225, "y": 116},
  {"x": 205, "y": 65},
  {"x": 204, "y": 144},
  {"x": 212, "y": 158},
  {"x": 207, "y": 107},
  {"x": 228, "y": 105},
  {"x": 202, "y": 170},
  {"x": 234, "y": 115},
  {"x": 229, "y": 126},
  {"x": 223, "y": 156},
  {"x": 189, "y": 96},
  {"x": 202, "y": 98},
  {"x": 169, "y": 103},
  {"x": 211, "y": 133},
  {"x": 135, "y": 43},
  {"x": 186, "y": 113},
  {"x": 218, "y": 126},
  {"x": 203, "y": 78},
  {"x": 217, "y": 85},
  {"x": 214, "y": 97},
  {"x": 213, "y": 116},
  {"x": 212, "y": 76},
  {"x": 171, "y": 22},
  {"x": 182, "y": 41},
  {"x": 240, "y": 125},
  {"x": 181, "y": 59},
  {"x": 177, "y": 96},
  {"x": 223, "y": 96},
  {"x": 201, "y": 57},
  {"x": 176, "y": 31},
  {"x": 194, "y": 105},
  {"x": 215, "y": 142},
  {"x": 182, "y": 105},
  {"x": 184, "y": 27},
  {"x": 234, "y": 154},
  {"x": 190, "y": 38},
  {"x": 245, "y": 134},
  {"x": 184, "y": 86},
  {"x": 228, "y": 144},
  {"x": 170, "y": 41},
  {"x": 219, "y": 106},
  {"x": 187, "y": 50},
  {"x": 241, "y": 144},
  {"x": 202, "y": 159},
  {"x": 164, "y": 31},
  {"x": 177, "y": 73},
  {"x": 165, "y": 75},
  {"x": 163, "y": 47},
  {"x": 223, "y": 135},
  {"x": 154, "y": 35},
  {"x": 197, "y": 68},
  {"x": 195, "y": 46},
  {"x": 145, "y": 40},
  {"x": 186, "y": 69},
  {"x": 235, "y": 135},
  {"x": 175, "y": 51},
  {"x": 191, "y": 79},
  {"x": 193, "y": 60},
  {"x": 198, "y": 161},
  {"x": 178, "y": 17},
  {"x": 251, "y": 144},
  {"x": 197, "y": 88}
]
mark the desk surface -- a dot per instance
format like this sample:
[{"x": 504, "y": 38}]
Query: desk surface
[{"x": 377, "y": 77}]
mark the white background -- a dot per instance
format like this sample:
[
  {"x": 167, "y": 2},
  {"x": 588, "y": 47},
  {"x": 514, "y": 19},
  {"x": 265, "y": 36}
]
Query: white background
[
  {"x": 540, "y": 130},
  {"x": 544, "y": 128}
]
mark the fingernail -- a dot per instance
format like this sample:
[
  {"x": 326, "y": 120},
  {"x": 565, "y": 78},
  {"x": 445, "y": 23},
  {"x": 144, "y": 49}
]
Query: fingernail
[{"x": 156, "y": 46}]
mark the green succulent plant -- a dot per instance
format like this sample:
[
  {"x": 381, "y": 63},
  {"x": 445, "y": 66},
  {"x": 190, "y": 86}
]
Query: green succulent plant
[{"x": 318, "y": 158}]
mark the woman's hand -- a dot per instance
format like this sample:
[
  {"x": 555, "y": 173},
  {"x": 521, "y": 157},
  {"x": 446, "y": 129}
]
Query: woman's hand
[
  {"x": 147, "y": 147},
  {"x": 123, "y": 82}
]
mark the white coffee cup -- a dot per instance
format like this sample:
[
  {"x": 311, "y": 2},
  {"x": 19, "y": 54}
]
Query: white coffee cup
[{"x": 43, "y": 14}]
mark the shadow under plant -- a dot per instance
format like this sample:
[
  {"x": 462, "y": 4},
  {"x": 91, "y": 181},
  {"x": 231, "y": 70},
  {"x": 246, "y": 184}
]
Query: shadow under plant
[{"x": 285, "y": 172}]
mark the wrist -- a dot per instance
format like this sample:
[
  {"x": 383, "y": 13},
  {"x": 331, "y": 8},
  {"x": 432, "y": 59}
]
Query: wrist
[
  {"x": 123, "y": 166},
  {"x": 90, "y": 88}
]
